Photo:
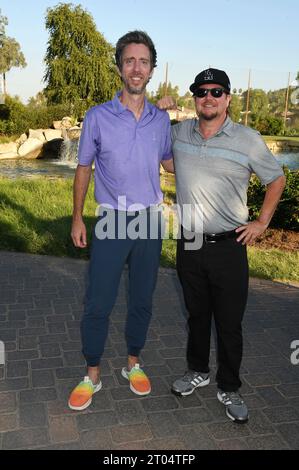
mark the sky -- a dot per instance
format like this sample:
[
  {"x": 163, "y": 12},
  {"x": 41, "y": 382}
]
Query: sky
[{"x": 190, "y": 35}]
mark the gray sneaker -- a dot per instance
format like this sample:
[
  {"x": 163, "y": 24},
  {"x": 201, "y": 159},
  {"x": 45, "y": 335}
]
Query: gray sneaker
[
  {"x": 189, "y": 382},
  {"x": 236, "y": 408}
]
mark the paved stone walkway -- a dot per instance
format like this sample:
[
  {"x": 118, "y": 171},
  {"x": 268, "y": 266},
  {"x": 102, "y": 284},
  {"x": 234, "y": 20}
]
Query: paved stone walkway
[{"x": 40, "y": 309}]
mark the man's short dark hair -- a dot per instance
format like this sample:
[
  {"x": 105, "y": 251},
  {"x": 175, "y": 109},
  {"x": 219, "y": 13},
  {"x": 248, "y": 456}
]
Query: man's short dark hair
[{"x": 137, "y": 37}]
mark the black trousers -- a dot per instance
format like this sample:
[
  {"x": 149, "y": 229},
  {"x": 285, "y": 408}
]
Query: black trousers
[{"x": 214, "y": 279}]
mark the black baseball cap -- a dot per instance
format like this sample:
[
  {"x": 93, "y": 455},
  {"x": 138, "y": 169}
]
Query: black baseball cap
[{"x": 216, "y": 76}]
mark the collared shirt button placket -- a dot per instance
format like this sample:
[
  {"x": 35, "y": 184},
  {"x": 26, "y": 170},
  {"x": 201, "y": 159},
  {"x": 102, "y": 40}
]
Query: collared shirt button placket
[{"x": 203, "y": 151}]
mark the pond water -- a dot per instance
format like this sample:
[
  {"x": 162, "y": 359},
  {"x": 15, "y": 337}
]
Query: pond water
[
  {"x": 291, "y": 159},
  {"x": 22, "y": 168},
  {"x": 64, "y": 169}
]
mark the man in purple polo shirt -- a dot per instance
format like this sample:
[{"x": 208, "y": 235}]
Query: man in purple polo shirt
[{"x": 127, "y": 138}]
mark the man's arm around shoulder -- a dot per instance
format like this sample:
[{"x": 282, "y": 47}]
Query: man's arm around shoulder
[{"x": 168, "y": 165}]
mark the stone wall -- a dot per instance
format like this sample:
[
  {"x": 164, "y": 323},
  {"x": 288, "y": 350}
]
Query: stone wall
[
  {"x": 277, "y": 146},
  {"x": 40, "y": 143}
]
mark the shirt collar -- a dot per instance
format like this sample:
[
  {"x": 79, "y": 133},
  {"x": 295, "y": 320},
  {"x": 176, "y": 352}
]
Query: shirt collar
[
  {"x": 119, "y": 108},
  {"x": 227, "y": 127}
]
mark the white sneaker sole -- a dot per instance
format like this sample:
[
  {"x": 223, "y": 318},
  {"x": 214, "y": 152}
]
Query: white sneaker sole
[
  {"x": 185, "y": 394},
  {"x": 141, "y": 394},
  {"x": 86, "y": 405}
]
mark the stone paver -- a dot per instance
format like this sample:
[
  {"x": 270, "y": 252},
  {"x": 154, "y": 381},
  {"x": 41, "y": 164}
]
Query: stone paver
[{"x": 41, "y": 302}]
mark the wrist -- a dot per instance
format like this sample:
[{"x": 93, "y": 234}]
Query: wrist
[
  {"x": 77, "y": 217},
  {"x": 263, "y": 221}
]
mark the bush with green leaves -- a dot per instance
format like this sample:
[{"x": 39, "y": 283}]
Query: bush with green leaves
[
  {"x": 267, "y": 124},
  {"x": 287, "y": 213},
  {"x": 16, "y": 118}
]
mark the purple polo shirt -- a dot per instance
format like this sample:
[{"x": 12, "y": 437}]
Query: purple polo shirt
[{"x": 127, "y": 153}]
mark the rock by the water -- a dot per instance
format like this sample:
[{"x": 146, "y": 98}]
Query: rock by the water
[
  {"x": 37, "y": 134},
  {"x": 31, "y": 148},
  {"x": 74, "y": 132},
  {"x": 9, "y": 147},
  {"x": 5, "y": 156},
  {"x": 57, "y": 125},
  {"x": 66, "y": 122},
  {"x": 9, "y": 150},
  {"x": 21, "y": 139},
  {"x": 51, "y": 134}
]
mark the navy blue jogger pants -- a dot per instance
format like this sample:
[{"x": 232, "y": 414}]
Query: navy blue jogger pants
[{"x": 108, "y": 257}]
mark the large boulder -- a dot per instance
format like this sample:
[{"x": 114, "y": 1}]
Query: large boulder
[
  {"x": 31, "y": 148},
  {"x": 74, "y": 132},
  {"x": 21, "y": 139},
  {"x": 51, "y": 134},
  {"x": 66, "y": 122},
  {"x": 37, "y": 134},
  {"x": 9, "y": 150},
  {"x": 57, "y": 125}
]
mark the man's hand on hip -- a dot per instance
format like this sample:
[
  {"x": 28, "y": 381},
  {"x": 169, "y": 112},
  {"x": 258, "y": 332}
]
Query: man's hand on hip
[
  {"x": 78, "y": 233},
  {"x": 250, "y": 231}
]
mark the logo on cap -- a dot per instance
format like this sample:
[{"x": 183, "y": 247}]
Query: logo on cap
[{"x": 208, "y": 75}]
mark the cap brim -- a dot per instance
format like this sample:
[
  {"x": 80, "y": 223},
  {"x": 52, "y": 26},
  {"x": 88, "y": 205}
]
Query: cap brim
[{"x": 194, "y": 85}]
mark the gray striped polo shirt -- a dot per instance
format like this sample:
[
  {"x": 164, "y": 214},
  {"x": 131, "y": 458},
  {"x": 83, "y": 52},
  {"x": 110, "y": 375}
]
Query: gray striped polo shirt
[{"x": 215, "y": 172}]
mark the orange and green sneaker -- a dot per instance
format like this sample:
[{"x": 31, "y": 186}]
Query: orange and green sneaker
[
  {"x": 81, "y": 396},
  {"x": 139, "y": 382}
]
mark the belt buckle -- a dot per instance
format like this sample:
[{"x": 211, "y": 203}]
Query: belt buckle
[{"x": 209, "y": 235}]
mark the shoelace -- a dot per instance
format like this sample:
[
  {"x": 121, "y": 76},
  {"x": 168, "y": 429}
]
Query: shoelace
[
  {"x": 232, "y": 399},
  {"x": 136, "y": 372},
  {"x": 189, "y": 376}
]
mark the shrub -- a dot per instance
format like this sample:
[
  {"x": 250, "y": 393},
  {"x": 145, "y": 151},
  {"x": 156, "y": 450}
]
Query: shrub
[
  {"x": 16, "y": 118},
  {"x": 287, "y": 213},
  {"x": 270, "y": 125}
]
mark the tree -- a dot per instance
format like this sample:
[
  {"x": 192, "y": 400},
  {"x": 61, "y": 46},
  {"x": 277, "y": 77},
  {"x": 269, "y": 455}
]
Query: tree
[
  {"x": 79, "y": 61},
  {"x": 3, "y": 23},
  {"x": 38, "y": 100},
  {"x": 277, "y": 100},
  {"x": 258, "y": 102},
  {"x": 258, "y": 105},
  {"x": 10, "y": 52},
  {"x": 167, "y": 91},
  {"x": 235, "y": 108},
  {"x": 187, "y": 100},
  {"x": 150, "y": 96}
]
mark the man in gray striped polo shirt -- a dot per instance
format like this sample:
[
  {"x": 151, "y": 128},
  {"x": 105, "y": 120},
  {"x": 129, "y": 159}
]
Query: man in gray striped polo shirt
[{"x": 213, "y": 160}]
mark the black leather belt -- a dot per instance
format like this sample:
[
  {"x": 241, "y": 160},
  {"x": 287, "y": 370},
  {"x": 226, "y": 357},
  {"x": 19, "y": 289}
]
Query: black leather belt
[{"x": 218, "y": 237}]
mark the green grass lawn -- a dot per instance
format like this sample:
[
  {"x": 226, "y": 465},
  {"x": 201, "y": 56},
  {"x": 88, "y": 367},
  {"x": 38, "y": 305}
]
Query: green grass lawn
[
  {"x": 6, "y": 139},
  {"x": 35, "y": 217}
]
